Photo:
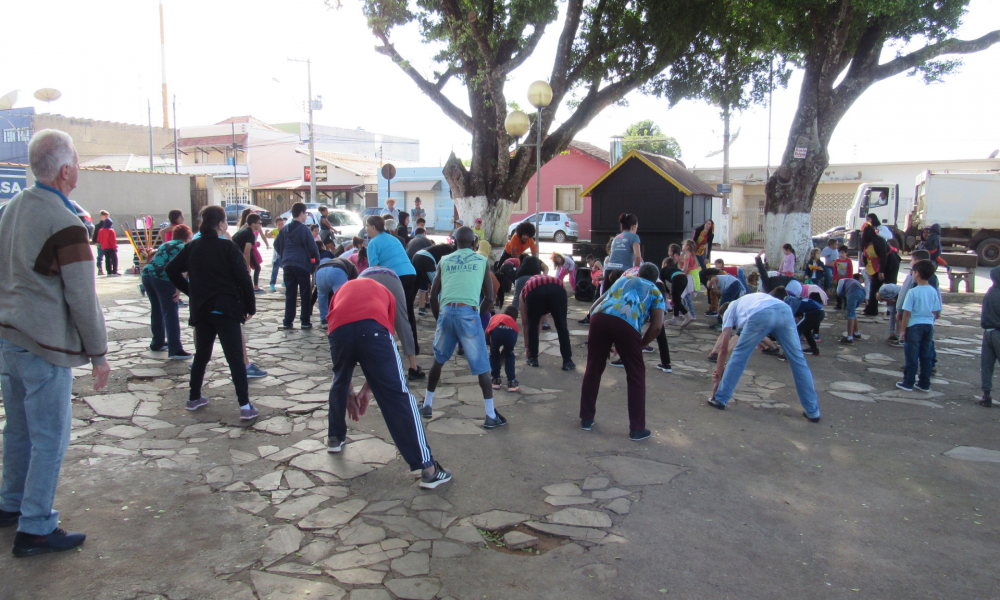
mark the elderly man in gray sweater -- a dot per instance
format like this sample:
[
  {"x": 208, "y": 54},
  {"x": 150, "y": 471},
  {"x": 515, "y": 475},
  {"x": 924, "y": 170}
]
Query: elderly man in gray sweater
[{"x": 50, "y": 322}]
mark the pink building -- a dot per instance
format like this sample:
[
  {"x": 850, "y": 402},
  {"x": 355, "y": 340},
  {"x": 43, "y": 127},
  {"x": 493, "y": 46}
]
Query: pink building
[{"x": 563, "y": 180}]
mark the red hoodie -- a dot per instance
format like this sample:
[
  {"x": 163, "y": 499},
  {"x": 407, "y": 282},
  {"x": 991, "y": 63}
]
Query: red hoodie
[{"x": 107, "y": 239}]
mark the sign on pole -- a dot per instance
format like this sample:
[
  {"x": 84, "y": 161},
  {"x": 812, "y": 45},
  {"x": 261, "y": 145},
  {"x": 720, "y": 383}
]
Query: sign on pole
[{"x": 724, "y": 188}]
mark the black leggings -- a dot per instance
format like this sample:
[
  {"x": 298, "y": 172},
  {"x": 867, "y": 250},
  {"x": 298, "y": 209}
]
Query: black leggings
[
  {"x": 809, "y": 327},
  {"x": 256, "y": 276},
  {"x": 678, "y": 283},
  {"x": 547, "y": 298},
  {"x": 231, "y": 337},
  {"x": 410, "y": 289},
  {"x": 767, "y": 282},
  {"x": 661, "y": 338},
  {"x": 111, "y": 261}
]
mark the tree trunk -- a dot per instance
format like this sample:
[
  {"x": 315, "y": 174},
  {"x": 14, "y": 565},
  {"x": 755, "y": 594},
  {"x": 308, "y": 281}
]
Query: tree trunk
[{"x": 495, "y": 218}]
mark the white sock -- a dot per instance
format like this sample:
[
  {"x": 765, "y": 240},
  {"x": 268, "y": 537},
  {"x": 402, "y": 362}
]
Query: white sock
[
  {"x": 489, "y": 408},
  {"x": 246, "y": 406},
  {"x": 429, "y": 398}
]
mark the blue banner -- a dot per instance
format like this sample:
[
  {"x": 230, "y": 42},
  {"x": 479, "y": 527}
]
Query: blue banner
[{"x": 12, "y": 181}]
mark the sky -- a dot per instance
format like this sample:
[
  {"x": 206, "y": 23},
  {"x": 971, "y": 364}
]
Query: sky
[{"x": 230, "y": 57}]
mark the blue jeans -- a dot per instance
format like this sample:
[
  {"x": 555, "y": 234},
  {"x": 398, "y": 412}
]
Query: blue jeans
[
  {"x": 274, "y": 268},
  {"x": 503, "y": 339},
  {"x": 892, "y": 317},
  {"x": 100, "y": 255},
  {"x": 163, "y": 318},
  {"x": 854, "y": 300},
  {"x": 827, "y": 277},
  {"x": 779, "y": 321},
  {"x": 461, "y": 324},
  {"x": 36, "y": 397},
  {"x": 733, "y": 292},
  {"x": 919, "y": 350}
]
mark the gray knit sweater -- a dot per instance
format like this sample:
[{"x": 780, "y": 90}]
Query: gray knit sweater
[{"x": 48, "y": 297}]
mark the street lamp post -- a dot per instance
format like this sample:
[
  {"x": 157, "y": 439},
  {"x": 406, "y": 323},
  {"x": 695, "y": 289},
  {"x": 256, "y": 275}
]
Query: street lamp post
[
  {"x": 317, "y": 105},
  {"x": 517, "y": 124}
]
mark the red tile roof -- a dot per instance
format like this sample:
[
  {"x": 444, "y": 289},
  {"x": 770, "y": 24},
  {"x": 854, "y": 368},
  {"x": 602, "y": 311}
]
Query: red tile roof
[
  {"x": 592, "y": 150},
  {"x": 211, "y": 140}
]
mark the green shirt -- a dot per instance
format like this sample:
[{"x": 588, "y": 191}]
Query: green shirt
[
  {"x": 462, "y": 274},
  {"x": 164, "y": 254}
]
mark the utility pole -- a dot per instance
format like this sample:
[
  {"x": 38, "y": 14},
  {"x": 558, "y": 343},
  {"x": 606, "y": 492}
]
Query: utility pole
[
  {"x": 149, "y": 110},
  {"x": 176, "y": 166},
  {"x": 236, "y": 182},
  {"x": 163, "y": 67},
  {"x": 312, "y": 136}
]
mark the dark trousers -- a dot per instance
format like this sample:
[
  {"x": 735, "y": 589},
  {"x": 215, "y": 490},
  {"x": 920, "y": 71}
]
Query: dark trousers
[
  {"x": 409, "y": 283},
  {"x": 231, "y": 337},
  {"x": 988, "y": 360},
  {"x": 502, "y": 342},
  {"x": 547, "y": 298},
  {"x": 163, "y": 318},
  {"x": 371, "y": 345},
  {"x": 809, "y": 327},
  {"x": 297, "y": 284},
  {"x": 111, "y": 261},
  {"x": 661, "y": 338},
  {"x": 606, "y": 331},
  {"x": 677, "y": 285},
  {"x": 256, "y": 276},
  {"x": 871, "y": 309},
  {"x": 919, "y": 351}
]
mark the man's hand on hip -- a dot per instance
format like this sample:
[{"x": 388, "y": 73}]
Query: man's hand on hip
[{"x": 101, "y": 374}]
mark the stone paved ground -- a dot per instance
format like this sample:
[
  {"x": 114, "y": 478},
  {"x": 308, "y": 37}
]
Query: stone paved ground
[{"x": 892, "y": 496}]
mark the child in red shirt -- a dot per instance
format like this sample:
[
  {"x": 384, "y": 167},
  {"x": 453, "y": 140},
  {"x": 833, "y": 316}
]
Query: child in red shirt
[
  {"x": 108, "y": 241},
  {"x": 843, "y": 268},
  {"x": 501, "y": 335}
]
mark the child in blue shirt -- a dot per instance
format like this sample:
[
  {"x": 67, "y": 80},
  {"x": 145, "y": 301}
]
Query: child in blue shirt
[{"x": 921, "y": 306}]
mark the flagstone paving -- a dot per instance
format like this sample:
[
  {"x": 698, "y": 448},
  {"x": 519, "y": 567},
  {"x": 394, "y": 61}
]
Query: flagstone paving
[{"x": 261, "y": 510}]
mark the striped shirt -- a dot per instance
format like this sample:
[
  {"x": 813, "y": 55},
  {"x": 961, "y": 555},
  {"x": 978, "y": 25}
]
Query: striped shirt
[{"x": 537, "y": 280}]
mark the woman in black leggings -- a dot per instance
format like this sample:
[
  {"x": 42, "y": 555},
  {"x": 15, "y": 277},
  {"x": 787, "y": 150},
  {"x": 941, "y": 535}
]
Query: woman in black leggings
[
  {"x": 768, "y": 282},
  {"x": 541, "y": 295},
  {"x": 678, "y": 281}
]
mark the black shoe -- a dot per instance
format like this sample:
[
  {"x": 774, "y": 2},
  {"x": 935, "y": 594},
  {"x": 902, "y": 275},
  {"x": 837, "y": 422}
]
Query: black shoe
[
  {"x": 532, "y": 362},
  {"x": 306, "y": 326},
  {"x": 416, "y": 374},
  {"x": 584, "y": 320},
  {"x": 713, "y": 357},
  {"x": 285, "y": 327},
  {"x": 8, "y": 518},
  {"x": 322, "y": 322},
  {"x": 771, "y": 351},
  {"x": 664, "y": 368},
  {"x": 546, "y": 327},
  {"x": 160, "y": 349},
  {"x": 711, "y": 313},
  {"x": 986, "y": 402},
  {"x": 497, "y": 382},
  {"x": 182, "y": 355},
  {"x": 617, "y": 362},
  {"x": 716, "y": 404},
  {"x": 811, "y": 419},
  {"x": 26, "y": 544},
  {"x": 426, "y": 411},
  {"x": 638, "y": 436},
  {"x": 440, "y": 476},
  {"x": 586, "y": 424},
  {"x": 491, "y": 423},
  {"x": 568, "y": 365},
  {"x": 461, "y": 351}
]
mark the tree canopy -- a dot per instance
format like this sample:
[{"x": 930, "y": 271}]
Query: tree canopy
[{"x": 647, "y": 136}]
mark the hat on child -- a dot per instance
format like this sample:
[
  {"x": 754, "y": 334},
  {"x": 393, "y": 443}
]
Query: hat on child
[{"x": 794, "y": 288}]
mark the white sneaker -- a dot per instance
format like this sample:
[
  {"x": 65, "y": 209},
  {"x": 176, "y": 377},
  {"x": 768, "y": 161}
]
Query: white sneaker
[
  {"x": 686, "y": 319},
  {"x": 674, "y": 321}
]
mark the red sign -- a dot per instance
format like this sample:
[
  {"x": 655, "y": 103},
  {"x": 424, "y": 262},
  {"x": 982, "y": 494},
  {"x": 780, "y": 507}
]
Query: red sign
[{"x": 306, "y": 174}]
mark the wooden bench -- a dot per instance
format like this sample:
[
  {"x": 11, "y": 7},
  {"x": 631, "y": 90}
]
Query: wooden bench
[{"x": 961, "y": 267}]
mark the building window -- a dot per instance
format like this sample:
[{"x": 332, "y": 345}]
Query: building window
[
  {"x": 521, "y": 205},
  {"x": 568, "y": 199}
]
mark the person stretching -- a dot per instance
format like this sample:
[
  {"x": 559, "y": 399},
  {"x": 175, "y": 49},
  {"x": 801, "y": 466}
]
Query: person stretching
[{"x": 462, "y": 291}]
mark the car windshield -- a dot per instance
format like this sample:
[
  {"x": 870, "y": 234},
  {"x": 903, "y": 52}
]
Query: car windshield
[{"x": 338, "y": 219}]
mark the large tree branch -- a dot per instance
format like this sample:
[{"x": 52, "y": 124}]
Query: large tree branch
[
  {"x": 433, "y": 92},
  {"x": 444, "y": 77},
  {"x": 564, "y": 48},
  {"x": 453, "y": 12},
  {"x": 525, "y": 52},
  {"x": 918, "y": 57}
]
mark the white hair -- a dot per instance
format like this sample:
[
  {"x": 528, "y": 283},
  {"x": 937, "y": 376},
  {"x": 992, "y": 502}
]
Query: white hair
[{"x": 49, "y": 151}]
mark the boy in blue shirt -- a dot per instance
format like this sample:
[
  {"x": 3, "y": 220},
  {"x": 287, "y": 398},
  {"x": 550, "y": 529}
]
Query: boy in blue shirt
[{"x": 920, "y": 307}]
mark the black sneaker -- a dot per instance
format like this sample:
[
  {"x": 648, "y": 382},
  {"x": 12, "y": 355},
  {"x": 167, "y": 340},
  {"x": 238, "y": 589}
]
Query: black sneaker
[
  {"x": 182, "y": 355},
  {"x": 546, "y": 327},
  {"x": 771, "y": 351},
  {"x": 512, "y": 385},
  {"x": 811, "y": 419},
  {"x": 440, "y": 476},
  {"x": 584, "y": 320},
  {"x": 491, "y": 423},
  {"x": 426, "y": 411},
  {"x": 846, "y": 340},
  {"x": 334, "y": 446},
  {"x": 586, "y": 424},
  {"x": 9, "y": 518},
  {"x": 285, "y": 327},
  {"x": 638, "y": 436},
  {"x": 160, "y": 349},
  {"x": 713, "y": 357},
  {"x": 568, "y": 365},
  {"x": 716, "y": 404},
  {"x": 664, "y": 368},
  {"x": 26, "y": 544},
  {"x": 986, "y": 402},
  {"x": 416, "y": 374},
  {"x": 711, "y": 313},
  {"x": 306, "y": 326},
  {"x": 532, "y": 362},
  {"x": 497, "y": 382}
]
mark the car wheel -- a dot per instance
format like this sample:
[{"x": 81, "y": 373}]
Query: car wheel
[{"x": 559, "y": 237}]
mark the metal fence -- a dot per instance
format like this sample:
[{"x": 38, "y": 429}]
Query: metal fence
[{"x": 828, "y": 212}]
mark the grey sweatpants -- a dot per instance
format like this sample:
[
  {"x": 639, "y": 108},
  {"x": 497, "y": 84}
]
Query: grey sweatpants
[{"x": 991, "y": 352}]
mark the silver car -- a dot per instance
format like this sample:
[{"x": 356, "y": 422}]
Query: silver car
[{"x": 556, "y": 226}]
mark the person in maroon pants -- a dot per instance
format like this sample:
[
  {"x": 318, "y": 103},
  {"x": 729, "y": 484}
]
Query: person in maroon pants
[{"x": 617, "y": 319}]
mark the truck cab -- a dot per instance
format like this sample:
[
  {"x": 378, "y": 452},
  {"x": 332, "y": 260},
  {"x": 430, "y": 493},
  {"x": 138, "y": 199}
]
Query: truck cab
[{"x": 881, "y": 198}]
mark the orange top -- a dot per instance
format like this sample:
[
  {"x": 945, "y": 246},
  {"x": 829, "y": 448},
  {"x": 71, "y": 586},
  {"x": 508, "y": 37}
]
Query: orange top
[{"x": 515, "y": 248}]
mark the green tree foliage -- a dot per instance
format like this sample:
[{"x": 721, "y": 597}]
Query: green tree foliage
[{"x": 647, "y": 136}]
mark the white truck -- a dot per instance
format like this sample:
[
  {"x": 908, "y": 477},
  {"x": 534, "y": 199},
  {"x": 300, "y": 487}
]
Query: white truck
[{"x": 966, "y": 204}]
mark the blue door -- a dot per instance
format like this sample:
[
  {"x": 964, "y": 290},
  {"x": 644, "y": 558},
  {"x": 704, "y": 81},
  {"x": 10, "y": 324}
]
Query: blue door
[{"x": 444, "y": 212}]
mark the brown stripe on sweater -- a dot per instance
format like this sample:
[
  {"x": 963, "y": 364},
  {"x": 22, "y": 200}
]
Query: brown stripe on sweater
[
  {"x": 46, "y": 346},
  {"x": 63, "y": 247}
]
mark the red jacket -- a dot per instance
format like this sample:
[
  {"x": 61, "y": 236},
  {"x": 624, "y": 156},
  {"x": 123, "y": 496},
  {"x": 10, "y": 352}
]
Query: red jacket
[{"x": 107, "y": 239}]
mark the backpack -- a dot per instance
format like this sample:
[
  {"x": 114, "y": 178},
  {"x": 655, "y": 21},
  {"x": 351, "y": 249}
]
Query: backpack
[{"x": 585, "y": 290}]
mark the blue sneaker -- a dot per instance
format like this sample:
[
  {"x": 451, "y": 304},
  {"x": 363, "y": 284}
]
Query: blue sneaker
[
  {"x": 196, "y": 404},
  {"x": 253, "y": 371}
]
